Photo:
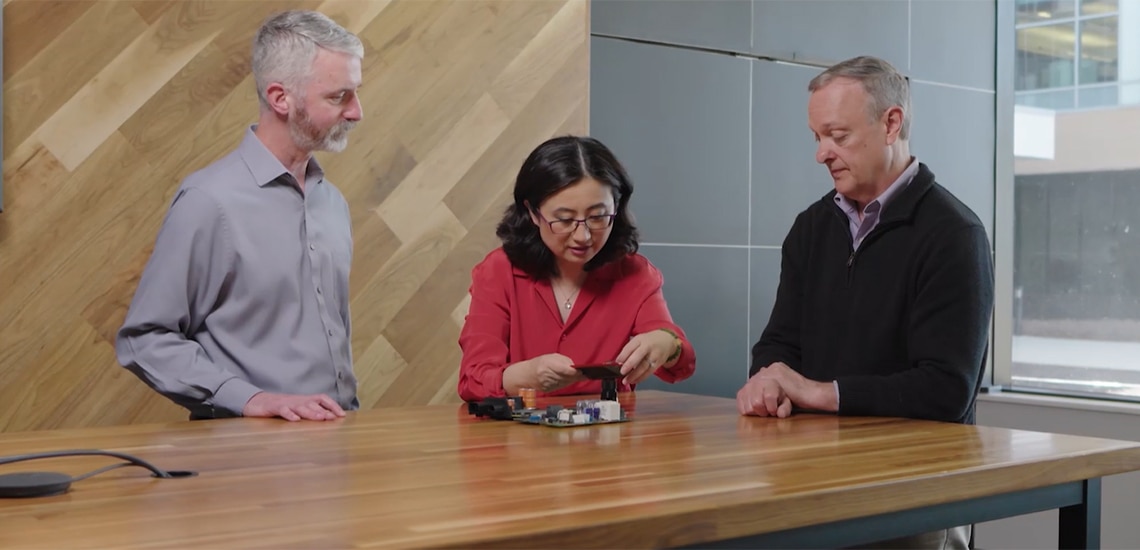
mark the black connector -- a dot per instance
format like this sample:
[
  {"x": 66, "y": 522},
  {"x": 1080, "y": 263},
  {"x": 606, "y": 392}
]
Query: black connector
[
  {"x": 609, "y": 389},
  {"x": 497, "y": 408}
]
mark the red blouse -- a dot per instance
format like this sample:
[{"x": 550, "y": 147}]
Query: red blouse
[{"x": 513, "y": 318}]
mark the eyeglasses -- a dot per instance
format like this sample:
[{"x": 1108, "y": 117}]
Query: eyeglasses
[{"x": 569, "y": 225}]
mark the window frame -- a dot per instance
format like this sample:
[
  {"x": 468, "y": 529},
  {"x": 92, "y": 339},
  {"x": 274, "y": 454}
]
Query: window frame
[
  {"x": 1075, "y": 20},
  {"x": 998, "y": 377}
]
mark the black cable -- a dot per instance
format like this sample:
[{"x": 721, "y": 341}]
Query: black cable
[
  {"x": 35, "y": 484},
  {"x": 94, "y": 473},
  {"x": 86, "y": 452}
]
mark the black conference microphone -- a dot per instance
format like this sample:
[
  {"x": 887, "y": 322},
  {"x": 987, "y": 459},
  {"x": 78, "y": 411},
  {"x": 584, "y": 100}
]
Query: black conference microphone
[{"x": 43, "y": 484}]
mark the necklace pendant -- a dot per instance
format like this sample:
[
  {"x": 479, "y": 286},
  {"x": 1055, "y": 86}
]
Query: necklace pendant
[{"x": 567, "y": 304}]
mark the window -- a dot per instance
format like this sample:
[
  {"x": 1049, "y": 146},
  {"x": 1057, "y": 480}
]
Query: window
[
  {"x": 1036, "y": 11},
  {"x": 1069, "y": 54},
  {"x": 1076, "y": 198}
]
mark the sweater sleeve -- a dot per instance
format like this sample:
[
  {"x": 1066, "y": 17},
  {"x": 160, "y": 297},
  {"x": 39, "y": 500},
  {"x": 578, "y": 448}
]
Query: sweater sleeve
[
  {"x": 947, "y": 337},
  {"x": 780, "y": 340},
  {"x": 485, "y": 337}
]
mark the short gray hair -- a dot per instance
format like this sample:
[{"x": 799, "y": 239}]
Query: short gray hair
[
  {"x": 287, "y": 43},
  {"x": 886, "y": 86}
]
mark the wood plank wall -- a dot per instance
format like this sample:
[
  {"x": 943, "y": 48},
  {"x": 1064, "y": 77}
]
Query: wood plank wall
[{"x": 109, "y": 103}]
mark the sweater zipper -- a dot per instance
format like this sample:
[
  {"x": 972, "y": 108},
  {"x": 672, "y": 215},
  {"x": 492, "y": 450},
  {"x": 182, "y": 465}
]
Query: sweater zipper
[
  {"x": 850, "y": 245},
  {"x": 850, "y": 263},
  {"x": 879, "y": 229}
]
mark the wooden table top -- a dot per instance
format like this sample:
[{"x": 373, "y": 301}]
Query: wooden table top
[{"x": 687, "y": 469}]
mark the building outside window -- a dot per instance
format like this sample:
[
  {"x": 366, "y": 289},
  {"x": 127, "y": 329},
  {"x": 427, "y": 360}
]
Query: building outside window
[{"x": 1076, "y": 318}]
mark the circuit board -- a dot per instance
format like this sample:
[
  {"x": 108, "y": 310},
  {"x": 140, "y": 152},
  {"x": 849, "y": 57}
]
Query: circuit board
[
  {"x": 586, "y": 412},
  {"x": 535, "y": 416},
  {"x": 589, "y": 412}
]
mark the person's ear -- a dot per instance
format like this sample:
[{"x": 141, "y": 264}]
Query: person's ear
[
  {"x": 530, "y": 210},
  {"x": 893, "y": 119},
  {"x": 278, "y": 98}
]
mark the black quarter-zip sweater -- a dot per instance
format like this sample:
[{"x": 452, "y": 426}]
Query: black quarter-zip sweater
[{"x": 903, "y": 322}]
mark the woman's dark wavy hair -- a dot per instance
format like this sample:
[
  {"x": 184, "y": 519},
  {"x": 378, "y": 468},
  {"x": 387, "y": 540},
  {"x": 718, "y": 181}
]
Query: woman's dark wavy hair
[{"x": 554, "y": 165}]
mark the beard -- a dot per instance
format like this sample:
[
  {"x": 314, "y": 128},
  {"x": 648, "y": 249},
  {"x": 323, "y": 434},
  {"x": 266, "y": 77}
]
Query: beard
[{"x": 307, "y": 136}]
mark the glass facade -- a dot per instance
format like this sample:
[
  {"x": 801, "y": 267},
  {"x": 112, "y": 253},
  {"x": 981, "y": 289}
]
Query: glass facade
[
  {"x": 1076, "y": 303},
  {"x": 1070, "y": 53}
]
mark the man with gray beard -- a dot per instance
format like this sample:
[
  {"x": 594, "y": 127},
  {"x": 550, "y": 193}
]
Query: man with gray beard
[{"x": 242, "y": 309}]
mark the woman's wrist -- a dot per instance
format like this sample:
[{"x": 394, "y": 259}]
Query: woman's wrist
[
  {"x": 676, "y": 347},
  {"x": 517, "y": 376}
]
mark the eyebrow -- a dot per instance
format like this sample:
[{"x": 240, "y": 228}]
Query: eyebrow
[{"x": 594, "y": 207}]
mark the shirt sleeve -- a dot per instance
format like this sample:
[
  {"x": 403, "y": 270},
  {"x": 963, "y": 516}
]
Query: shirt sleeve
[
  {"x": 653, "y": 314},
  {"x": 345, "y": 308},
  {"x": 485, "y": 337},
  {"x": 188, "y": 272}
]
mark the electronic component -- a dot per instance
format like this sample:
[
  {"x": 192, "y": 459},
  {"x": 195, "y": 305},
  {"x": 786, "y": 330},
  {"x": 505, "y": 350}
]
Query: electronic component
[
  {"x": 528, "y": 398},
  {"x": 498, "y": 408},
  {"x": 584, "y": 413},
  {"x": 603, "y": 371}
]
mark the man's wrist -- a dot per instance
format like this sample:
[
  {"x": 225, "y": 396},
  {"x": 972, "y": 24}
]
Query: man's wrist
[
  {"x": 827, "y": 399},
  {"x": 233, "y": 395},
  {"x": 818, "y": 396}
]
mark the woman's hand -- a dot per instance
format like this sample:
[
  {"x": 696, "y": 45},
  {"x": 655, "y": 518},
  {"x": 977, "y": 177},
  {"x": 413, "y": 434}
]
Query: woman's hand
[
  {"x": 554, "y": 371},
  {"x": 545, "y": 373},
  {"x": 644, "y": 354}
]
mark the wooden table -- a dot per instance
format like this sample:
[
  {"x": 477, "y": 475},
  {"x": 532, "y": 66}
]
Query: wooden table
[{"x": 688, "y": 470}]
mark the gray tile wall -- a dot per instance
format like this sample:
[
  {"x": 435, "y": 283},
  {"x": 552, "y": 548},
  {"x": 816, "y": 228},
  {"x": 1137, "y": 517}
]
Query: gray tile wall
[
  {"x": 673, "y": 117},
  {"x": 716, "y": 24},
  {"x": 705, "y": 102}
]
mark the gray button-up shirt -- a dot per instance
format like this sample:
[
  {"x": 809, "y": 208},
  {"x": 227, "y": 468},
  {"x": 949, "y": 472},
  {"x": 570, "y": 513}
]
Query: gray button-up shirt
[{"x": 246, "y": 290}]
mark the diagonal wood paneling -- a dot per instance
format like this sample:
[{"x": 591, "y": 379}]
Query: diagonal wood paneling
[{"x": 108, "y": 104}]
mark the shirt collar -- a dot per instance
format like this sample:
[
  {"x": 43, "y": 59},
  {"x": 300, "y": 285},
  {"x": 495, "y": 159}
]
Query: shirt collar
[
  {"x": 885, "y": 197},
  {"x": 264, "y": 165}
]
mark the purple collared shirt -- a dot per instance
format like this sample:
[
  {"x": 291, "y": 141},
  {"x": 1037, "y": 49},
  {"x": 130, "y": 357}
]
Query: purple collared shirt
[{"x": 872, "y": 210}]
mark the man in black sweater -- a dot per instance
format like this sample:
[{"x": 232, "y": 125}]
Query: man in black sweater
[{"x": 886, "y": 283}]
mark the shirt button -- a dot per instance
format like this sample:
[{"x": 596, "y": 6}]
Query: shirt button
[
  {"x": 318, "y": 290},
  {"x": 330, "y": 333},
  {"x": 340, "y": 376},
  {"x": 311, "y": 247}
]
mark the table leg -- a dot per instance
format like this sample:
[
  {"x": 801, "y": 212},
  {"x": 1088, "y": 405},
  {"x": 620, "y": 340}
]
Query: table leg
[{"x": 1079, "y": 525}]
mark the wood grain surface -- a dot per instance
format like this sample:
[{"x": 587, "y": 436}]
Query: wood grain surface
[
  {"x": 109, "y": 103},
  {"x": 686, "y": 469}
]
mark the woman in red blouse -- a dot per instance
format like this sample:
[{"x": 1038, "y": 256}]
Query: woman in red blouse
[{"x": 568, "y": 287}]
